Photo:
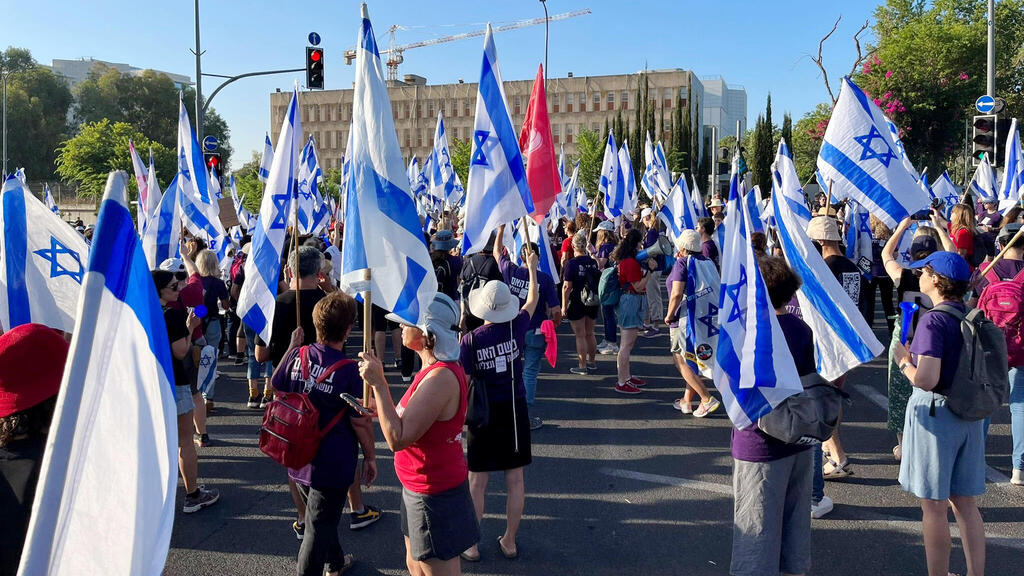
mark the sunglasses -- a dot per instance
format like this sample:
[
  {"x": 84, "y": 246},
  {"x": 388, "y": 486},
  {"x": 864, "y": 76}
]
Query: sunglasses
[{"x": 182, "y": 276}]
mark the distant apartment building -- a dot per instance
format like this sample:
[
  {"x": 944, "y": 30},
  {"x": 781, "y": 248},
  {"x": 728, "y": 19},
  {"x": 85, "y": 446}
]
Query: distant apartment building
[
  {"x": 77, "y": 71},
  {"x": 724, "y": 105},
  {"x": 574, "y": 104}
]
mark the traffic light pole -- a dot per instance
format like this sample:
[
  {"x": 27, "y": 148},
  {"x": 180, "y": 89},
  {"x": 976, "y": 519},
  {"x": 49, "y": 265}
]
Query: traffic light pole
[
  {"x": 990, "y": 84},
  {"x": 231, "y": 79},
  {"x": 200, "y": 109}
]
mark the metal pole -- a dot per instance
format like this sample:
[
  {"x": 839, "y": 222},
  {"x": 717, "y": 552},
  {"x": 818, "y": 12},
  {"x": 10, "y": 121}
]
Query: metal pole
[
  {"x": 990, "y": 84},
  {"x": 546, "y": 24},
  {"x": 5, "y": 72},
  {"x": 967, "y": 138},
  {"x": 713, "y": 188},
  {"x": 199, "y": 80}
]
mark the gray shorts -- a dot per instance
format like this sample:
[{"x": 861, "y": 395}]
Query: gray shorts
[
  {"x": 183, "y": 398},
  {"x": 771, "y": 516},
  {"x": 943, "y": 455},
  {"x": 676, "y": 337},
  {"x": 439, "y": 525}
]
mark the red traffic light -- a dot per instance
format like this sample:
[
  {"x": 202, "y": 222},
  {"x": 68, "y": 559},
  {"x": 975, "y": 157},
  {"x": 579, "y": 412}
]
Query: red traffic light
[
  {"x": 213, "y": 161},
  {"x": 315, "y": 55}
]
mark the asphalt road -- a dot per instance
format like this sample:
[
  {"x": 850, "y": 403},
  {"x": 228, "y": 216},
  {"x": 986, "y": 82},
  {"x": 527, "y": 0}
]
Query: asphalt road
[{"x": 619, "y": 484}]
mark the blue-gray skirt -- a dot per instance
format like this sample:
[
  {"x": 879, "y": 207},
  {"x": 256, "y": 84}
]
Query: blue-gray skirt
[
  {"x": 631, "y": 310},
  {"x": 943, "y": 455}
]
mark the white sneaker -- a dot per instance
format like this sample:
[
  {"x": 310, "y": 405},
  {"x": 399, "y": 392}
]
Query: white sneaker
[
  {"x": 1017, "y": 479},
  {"x": 822, "y": 508},
  {"x": 610, "y": 349}
]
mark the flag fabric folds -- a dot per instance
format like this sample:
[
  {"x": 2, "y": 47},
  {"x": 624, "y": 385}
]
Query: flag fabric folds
[
  {"x": 984, "y": 182},
  {"x": 382, "y": 229},
  {"x": 42, "y": 262},
  {"x": 258, "y": 297},
  {"x": 538, "y": 145},
  {"x": 628, "y": 178},
  {"x": 859, "y": 238},
  {"x": 105, "y": 498},
  {"x": 703, "y": 286},
  {"x": 163, "y": 232},
  {"x": 753, "y": 207},
  {"x": 267, "y": 160},
  {"x": 141, "y": 180},
  {"x": 677, "y": 212},
  {"x": 786, "y": 182},
  {"x": 1013, "y": 171},
  {"x": 754, "y": 369},
  {"x": 857, "y": 155},
  {"x": 611, "y": 184},
  {"x": 497, "y": 191},
  {"x": 843, "y": 339},
  {"x": 657, "y": 179},
  {"x": 698, "y": 201},
  {"x": 309, "y": 198},
  {"x": 946, "y": 191},
  {"x": 51, "y": 204},
  {"x": 442, "y": 174}
]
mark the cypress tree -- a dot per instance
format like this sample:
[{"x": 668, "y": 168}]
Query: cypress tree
[{"x": 787, "y": 130}]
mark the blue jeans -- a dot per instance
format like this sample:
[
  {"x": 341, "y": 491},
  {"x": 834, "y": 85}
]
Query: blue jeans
[
  {"x": 255, "y": 369},
  {"x": 1017, "y": 416},
  {"x": 817, "y": 476},
  {"x": 535, "y": 345},
  {"x": 610, "y": 326}
]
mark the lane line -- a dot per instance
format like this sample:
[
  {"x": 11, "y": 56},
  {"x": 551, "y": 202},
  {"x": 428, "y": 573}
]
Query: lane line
[{"x": 725, "y": 489}]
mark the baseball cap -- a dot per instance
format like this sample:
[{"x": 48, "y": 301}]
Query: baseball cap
[
  {"x": 1008, "y": 232},
  {"x": 606, "y": 225},
  {"x": 172, "y": 265},
  {"x": 948, "y": 264},
  {"x": 32, "y": 358},
  {"x": 923, "y": 243},
  {"x": 689, "y": 240},
  {"x": 645, "y": 212}
]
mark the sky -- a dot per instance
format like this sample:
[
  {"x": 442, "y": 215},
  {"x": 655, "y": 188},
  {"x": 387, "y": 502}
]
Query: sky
[{"x": 762, "y": 46}]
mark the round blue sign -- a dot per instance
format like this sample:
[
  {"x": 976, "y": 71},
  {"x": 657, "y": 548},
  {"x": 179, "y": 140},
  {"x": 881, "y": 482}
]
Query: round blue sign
[
  {"x": 210, "y": 143},
  {"x": 985, "y": 104},
  {"x": 314, "y": 38}
]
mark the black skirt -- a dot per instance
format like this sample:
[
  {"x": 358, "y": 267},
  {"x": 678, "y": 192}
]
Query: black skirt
[{"x": 504, "y": 443}]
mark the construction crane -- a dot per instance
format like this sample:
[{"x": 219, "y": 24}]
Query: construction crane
[{"x": 395, "y": 53}]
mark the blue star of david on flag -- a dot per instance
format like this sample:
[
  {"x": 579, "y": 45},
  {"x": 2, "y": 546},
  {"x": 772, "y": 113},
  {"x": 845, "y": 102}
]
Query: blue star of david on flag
[
  {"x": 480, "y": 140},
  {"x": 869, "y": 153},
  {"x": 280, "y": 211},
  {"x": 738, "y": 311},
  {"x": 709, "y": 320},
  {"x": 56, "y": 268}
]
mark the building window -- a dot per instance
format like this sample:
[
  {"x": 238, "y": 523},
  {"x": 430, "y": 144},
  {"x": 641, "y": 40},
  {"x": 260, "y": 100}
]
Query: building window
[
  {"x": 465, "y": 107},
  {"x": 455, "y": 134},
  {"x": 554, "y": 103},
  {"x": 405, "y": 109},
  {"x": 419, "y": 110},
  {"x": 668, "y": 97},
  {"x": 555, "y": 133},
  {"x": 581, "y": 127},
  {"x": 568, "y": 133},
  {"x": 419, "y": 138},
  {"x": 430, "y": 109},
  {"x": 569, "y": 101},
  {"x": 408, "y": 142},
  {"x": 518, "y": 104},
  {"x": 596, "y": 102}
]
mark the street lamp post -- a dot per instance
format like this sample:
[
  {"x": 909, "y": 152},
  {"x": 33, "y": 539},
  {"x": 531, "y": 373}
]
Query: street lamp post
[{"x": 547, "y": 22}]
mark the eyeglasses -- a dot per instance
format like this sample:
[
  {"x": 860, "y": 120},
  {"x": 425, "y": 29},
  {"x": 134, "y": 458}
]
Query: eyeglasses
[{"x": 180, "y": 276}]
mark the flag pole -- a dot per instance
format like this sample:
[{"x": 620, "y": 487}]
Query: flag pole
[
  {"x": 367, "y": 330},
  {"x": 999, "y": 256},
  {"x": 593, "y": 217},
  {"x": 526, "y": 235},
  {"x": 828, "y": 198},
  {"x": 295, "y": 249}
]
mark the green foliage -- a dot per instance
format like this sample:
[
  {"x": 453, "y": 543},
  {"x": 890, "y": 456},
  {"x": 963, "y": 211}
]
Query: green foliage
[
  {"x": 929, "y": 67},
  {"x": 247, "y": 181},
  {"x": 460, "y": 151},
  {"x": 101, "y": 147},
  {"x": 590, "y": 148},
  {"x": 762, "y": 155},
  {"x": 37, "y": 111},
  {"x": 787, "y": 129},
  {"x": 807, "y": 135},
  {"x": 149, "y": 102}
]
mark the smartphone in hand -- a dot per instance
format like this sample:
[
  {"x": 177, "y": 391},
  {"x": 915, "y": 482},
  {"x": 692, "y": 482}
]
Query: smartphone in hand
[{"x": 356, "y": 404}]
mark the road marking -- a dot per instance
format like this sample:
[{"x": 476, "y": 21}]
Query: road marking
[
  {"x": 907, "y": 525},
  {"x": 882, "y": 401},
  {"x": 725, "y": 489}
]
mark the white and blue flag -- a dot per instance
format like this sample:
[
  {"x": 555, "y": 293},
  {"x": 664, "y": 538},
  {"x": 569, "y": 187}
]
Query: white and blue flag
[
  {"x": 753, "y": 201},
  {"x": 382, "y": 230},
  {"x": 258, "y": 296},
  {"x": 946, "y": 191},
  {"x": 698, "y": 201},
  {"x": 656, "y": 180},
  {"x": 42, "y": 261},
  {"x": 842, "y": 338},
  {"x": 984, "y": 182},
  {"x": 51, "y": 205},
  {"x": 105, "y": 497},
  {"x": 513, "y": 240},
  {"x": 1013, "y": 171},
  {"x": 754, "y": 369},
  {"x": 309, "y": 199},
  {"x": 266, "y": 160},
  {"x": 859, "y": 238},
  {"x": 628, "y": 178},
  {"x": 859, "y": 156},
  {"x": 160, "y": 239},
  {"x": 417, "y": 183},
  {"x": 612, "y": 185},
  {"x": 497, "y": 191},
  {"x": 786, "y": 183},
  {"x": 442, "y": 174},
  {"x": 677, "y": 212},
  {"x": 703, "y": 286}
]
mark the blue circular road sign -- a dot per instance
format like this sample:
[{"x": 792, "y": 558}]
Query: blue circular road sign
[
  {"x": 314, "y": 38},
  {"x": 985, "y": 104},
  {"x": 210, "y": 143}
]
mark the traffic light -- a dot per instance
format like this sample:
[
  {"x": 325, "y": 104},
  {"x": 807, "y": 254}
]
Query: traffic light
[
  {"x": 213, "y": 160},
  {"x": 314, "y": 68},
  {"x": 985, "y": 138}
]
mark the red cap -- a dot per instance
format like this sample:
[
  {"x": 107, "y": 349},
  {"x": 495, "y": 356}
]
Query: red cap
[{"x": 32, "y": 358}]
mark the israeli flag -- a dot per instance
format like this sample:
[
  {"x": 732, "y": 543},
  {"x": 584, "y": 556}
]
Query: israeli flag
[
  {"x": 458, "y": 197},
  {"x": 842, "y": 338},
  {"x": 858, "y": 155},
  {"x": 677, "y": 212},
  {"x": 786, "y": 183},
  {"x": 859, "y": 238},
  {"x": 513, "y": 241},
  {"x": 42, "y": 261},
  {"x": 703, "y": 287},
  {"x": 753, "y": 201},
  {"x": 698, "y": 201},
  {"x": 562, "y": 176},
  {"x": 656, "y": 180},
  {"x": 906, "y": 241},
  {"x": 984, "y": 182},
  {"x": 754, "y": 370},
  {"x": 582, "y": 200},
  {"x": 497, "y": 191},
  {"x": 51, "y": 205},
  {"x": 141, "y": 181},
  {"x": 267, "y": 160},
  {"x": 1013, "y": 171},
  {"x": 628, "y": 178},
  {"x": 442, "y": 174},
  {"x": 568, "y": 200},
  {"x": 257, "y": 299},
  {"x": 215, "y": 188},
  {"x": 309, "y": 199},
  {"x": 190, "y": 159},
  {"x": 901, "y": 152},
  {"x": 153, "y": 195},
  {"x": 161, "y": 238},
  {"x": 612, "y": 185},
  {"x": 945, "y": 190},
  {"x": 105, "y": 498},
  {"x": 20, "y": 175},
  {"x": 383, "y": 233}
]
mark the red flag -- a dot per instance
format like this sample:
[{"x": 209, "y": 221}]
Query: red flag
[{"x": 539, "y": 150}]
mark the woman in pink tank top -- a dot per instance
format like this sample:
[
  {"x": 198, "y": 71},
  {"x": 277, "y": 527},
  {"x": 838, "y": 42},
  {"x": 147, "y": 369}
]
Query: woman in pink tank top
[{"x": 425, "y": 431}]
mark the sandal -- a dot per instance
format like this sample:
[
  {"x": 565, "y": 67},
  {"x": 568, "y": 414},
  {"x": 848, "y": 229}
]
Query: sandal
[
  {"x": 508, "y": 555},
  {"x": 347, "y": 562},
  {"x": 469, "y": 558},
  {"x": 839, "y": 469},
  {"x": 897, "y": 452}
]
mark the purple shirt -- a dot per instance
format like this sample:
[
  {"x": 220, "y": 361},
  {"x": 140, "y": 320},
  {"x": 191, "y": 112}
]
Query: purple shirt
[
  {"x": 605, "y": 250},
  {"x": 990, "y": 219},
  {"x": 938, "y": 335},
  {"x": 335, "y": 462},
  {"x": 710, "y": 251},
  {"x": 752, "y": 445},
  {"x": 650, "y": 238},
  {"x": 493, "y": 353},
  {"x": 677, "y": 274},
  {"x": 575, "y": 272},
  {"x": 1004, "y": 269},
  {"x": 518, "y": 280}
]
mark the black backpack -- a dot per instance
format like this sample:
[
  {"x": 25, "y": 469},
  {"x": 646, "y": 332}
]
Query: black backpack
[
  {"x": 981, "y": 384},
  {"x": 472, "y": 277},
  {"x": 808, "y": 417},
  {"x": 589, "y": 295}
]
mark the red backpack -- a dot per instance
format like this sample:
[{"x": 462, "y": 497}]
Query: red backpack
[
  {"x": 1002, "y": 301},
  {"x": 291, "y": 433}
]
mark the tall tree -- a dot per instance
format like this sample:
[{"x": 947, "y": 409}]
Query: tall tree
[
  {"x": 695, "y": 143},
  {"x": 787, "y": 129},
  {"x": 590, "y": 148},
  {"x": 763, "y": 154},
  {"x": 460, "y": 151},
  {"x": 807, "y": 135},
  {"x": 37, "y": 112}
]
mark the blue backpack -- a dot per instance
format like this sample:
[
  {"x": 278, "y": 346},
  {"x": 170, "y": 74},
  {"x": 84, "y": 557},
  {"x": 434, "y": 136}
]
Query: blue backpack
[{"x": 608, "y": 289}]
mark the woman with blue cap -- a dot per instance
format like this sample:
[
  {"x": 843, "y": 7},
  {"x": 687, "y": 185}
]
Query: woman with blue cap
[{"x": 943, "y": 460}]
